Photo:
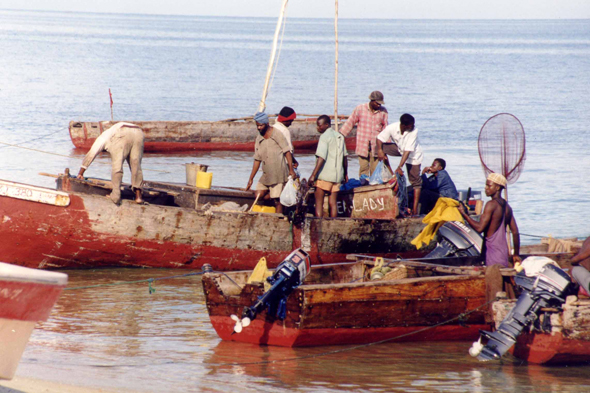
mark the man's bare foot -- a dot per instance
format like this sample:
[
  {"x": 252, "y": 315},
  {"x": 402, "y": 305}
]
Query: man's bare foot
[{"x": 140, "y": 201}]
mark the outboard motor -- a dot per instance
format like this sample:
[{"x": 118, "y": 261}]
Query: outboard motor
[
  {"x": 288, "y": 275},
  {"x": 549, "y": 287},
  {"x": 456, "y": 239}
]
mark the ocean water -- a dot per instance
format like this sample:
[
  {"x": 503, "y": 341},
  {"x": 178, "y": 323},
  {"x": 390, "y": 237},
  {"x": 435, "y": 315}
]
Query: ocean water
[{"x": 451, "y": 75}]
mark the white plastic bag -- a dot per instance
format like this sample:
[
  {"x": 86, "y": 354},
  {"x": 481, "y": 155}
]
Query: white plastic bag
[
  {"x": 377, "y": 175},
  {"x": 289, "y": 194}
]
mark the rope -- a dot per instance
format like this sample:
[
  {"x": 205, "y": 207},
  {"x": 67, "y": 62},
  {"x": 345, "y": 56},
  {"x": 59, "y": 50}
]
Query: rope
[
  {"x": 537, "y": 236},
  {"x": 148, "y": 280},
  {"x": 63, "y": 155},
  {"x": 35, "y": 139},
  {"x": 460, "y": 317},
  {"x": 274, "y": 69}
]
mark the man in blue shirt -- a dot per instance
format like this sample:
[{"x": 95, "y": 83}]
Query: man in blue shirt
[{"x": 437, "y": 185}]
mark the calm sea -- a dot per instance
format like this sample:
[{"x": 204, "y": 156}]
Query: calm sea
[{"x": 451, "y": 75}]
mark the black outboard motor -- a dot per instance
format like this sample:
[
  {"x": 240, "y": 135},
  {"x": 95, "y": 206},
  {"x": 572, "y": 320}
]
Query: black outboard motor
[
  {"x": 456, "y": 239},
  {"x": 288, "y": 275},
  {"x": 549, "y": 288}
]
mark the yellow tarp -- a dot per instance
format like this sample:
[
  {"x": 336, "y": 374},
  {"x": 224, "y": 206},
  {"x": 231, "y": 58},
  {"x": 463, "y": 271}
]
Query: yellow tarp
[
  {"x": 444, "y": 210},
  {"x": 260, "y": 274}
]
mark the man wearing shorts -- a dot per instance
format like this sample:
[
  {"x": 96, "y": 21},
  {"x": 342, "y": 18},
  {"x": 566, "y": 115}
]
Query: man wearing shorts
[
  {"x": 271, "y": 149},
  {"x": 331, "y": 164},
  {"x": 401, "y": 139}
]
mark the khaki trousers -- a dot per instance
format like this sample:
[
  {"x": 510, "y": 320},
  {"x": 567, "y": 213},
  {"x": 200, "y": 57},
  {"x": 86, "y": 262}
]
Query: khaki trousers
[
  {"x": 126, "y": 145},
  {"x": 367, "y": 165}
]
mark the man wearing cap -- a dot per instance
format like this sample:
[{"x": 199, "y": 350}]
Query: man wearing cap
[
  {"x": 124, "y": 142},
  {"x": 370, "y": 119},
  {"x": 284, "y": 121},
  {"x": 497, "y": 215},
  {"x": 272, "y": 150},
  {"x": 401, "y": 139}
]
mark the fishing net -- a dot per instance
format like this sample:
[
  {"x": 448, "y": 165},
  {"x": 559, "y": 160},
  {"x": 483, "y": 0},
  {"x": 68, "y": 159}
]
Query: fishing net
[{"x": 501, "y": 146}]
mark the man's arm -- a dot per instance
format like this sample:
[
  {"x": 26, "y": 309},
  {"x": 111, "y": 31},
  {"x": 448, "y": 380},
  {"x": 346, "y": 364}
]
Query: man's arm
[
  {"x": 380, "y": 152},
  {"x": 402, "y": 162},
  {"x": 254, "y": 171},
  {"x": 289, "y": 157},
  {"x": 96, "y": 148},
  {"x": 582, "y": 255},
  {"x": 345, "y": 167},
  {"x": 515, "y": 240},
  {"x": 318, "y": 165},
  {"x": 350, "y": 123},
  {"x": 484, "y": 219}
]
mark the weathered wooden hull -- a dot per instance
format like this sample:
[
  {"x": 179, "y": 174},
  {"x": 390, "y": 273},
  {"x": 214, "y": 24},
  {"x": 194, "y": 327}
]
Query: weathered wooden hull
[
  {"x": 368, "y": 202},
  {"x": 26, "y": 297},
  {"x": 90, "y": 231},
  {"x": 352, "y": 312},
  {"x": 567, "y": 340},
  {"x": 178, "y": 136}
]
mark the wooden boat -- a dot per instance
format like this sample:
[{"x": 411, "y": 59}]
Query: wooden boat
[
  {"x": 368, "y": 202},
  {"x": 26, "y": 297},
  {"x": 179, "y": 136},
  {"x": 338, "y": 304},
  {"x": 560, "y": 336},
  {"x": 45, "y": 228}
]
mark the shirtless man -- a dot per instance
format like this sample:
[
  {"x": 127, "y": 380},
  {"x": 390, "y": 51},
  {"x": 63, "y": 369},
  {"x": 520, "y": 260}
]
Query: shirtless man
[
  {"x": 496, "y": 216},
  {"x": 581, "y": 273}
]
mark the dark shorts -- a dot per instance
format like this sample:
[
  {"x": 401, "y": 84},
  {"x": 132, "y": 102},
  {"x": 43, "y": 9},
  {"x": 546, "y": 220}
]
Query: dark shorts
[{"x": 413, "y": 170}]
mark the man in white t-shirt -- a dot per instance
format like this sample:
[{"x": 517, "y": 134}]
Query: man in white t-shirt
[{"x": 401, "y": 140}]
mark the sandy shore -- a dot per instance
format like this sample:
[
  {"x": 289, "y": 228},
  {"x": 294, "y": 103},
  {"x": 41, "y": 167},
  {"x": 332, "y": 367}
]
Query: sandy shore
[{"x": 31, "y": 385}]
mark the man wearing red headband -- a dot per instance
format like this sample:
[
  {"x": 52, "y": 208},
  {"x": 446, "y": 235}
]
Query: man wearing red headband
[{"x": 284, "y": 120}]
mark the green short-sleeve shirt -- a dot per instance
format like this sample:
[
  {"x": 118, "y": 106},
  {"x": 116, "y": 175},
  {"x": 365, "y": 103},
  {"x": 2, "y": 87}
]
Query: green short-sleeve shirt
[{"x": 332, "y": 148}]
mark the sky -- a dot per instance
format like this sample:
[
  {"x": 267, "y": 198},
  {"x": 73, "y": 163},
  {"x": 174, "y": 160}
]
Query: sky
[{"x": 386, "y": 9}]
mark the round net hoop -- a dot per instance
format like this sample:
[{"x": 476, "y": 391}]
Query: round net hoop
[{"x": 502, "y": 146}]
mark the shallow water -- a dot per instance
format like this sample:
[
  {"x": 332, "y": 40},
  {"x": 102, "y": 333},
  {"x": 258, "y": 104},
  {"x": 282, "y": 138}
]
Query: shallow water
[
  {"x": 123, "y": 337},
  {"x": 451, "y": 75}
]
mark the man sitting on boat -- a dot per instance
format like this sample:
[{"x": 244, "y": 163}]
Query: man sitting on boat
[
  {"x": 580, "y": 273},
  {"x": 284, "y": 121},
  {"x": 401, "y": 140},
  {"x": 496, "y": 216},
  {"x": 332, "y": 165},
  {"x": 124, "y": 142},
  {"x": 436, "y": 186},
  {"x": 270, "y": 149},
  {"x": 370, "y": 119}
]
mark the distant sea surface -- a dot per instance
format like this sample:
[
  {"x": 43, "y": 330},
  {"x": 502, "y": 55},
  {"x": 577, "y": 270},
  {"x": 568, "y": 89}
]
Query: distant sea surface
[{"x": 452, "y": 75}]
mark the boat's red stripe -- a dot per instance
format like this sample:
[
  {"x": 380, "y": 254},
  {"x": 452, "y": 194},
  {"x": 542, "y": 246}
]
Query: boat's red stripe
[{"x": 26, "y": 301}]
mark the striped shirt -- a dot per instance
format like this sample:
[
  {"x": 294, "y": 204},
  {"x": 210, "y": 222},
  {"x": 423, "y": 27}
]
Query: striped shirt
[{"x": 368, "y": 125}]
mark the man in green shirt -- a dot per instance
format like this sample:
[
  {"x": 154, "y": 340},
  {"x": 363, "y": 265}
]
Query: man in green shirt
[
  {"x": 271, "y": 149},
  {"x": 331, "y": 164}
]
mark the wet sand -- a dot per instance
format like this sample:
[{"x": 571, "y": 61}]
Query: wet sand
[{"x": 31, "y": 385}]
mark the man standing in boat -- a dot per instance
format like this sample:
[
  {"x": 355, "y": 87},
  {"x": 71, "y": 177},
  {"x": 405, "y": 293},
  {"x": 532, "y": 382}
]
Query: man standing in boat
[
  {"x": 370, "y": 119},
  {"x": 124, "y": 142},
  {"x": 580, "y": 273},
  {"x": 497, "y": 215},
  {"x": 401, "y": 140},
  {"x": 271, "y": 149},
  {"x": 332, "y": 165},
  {"x": 284, "y": 121}
]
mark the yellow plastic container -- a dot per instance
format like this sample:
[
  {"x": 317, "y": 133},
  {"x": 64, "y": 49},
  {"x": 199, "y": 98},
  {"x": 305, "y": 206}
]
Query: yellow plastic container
[
  {"x": 204, "y": 179},
  {"x": 264, "y": 209}
]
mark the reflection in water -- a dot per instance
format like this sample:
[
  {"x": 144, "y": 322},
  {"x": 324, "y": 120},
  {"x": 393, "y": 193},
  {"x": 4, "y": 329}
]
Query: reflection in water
[{"x": 123, "y": 337}]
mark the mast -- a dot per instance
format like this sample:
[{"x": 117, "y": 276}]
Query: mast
[
  {"x": 336, "y": 71},
  {"x": 262, "y": 105}
]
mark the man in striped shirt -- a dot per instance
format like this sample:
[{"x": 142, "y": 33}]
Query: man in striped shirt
[{"x": 370, "y": 119}]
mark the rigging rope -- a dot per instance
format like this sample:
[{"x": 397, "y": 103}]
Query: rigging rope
[
  {"x": 274, "y": 69},
  {"x": 63, "y": 155},
  {"x": 457, "y": 318}
]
